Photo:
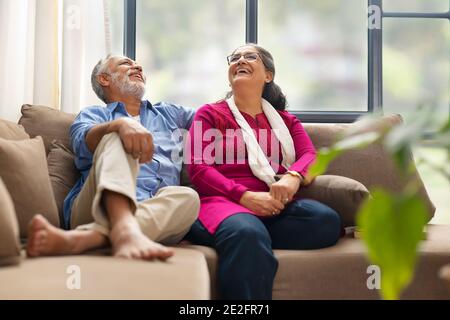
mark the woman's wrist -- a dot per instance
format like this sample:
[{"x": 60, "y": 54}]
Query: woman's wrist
[{"x": 296, "y": 175}]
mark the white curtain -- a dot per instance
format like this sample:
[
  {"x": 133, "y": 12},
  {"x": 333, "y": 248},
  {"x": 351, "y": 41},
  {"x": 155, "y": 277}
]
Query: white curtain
[
  {"x": 47, "y": 51},
  {"x": 85, "y": 39},
  {"x": 28, "y": 55}
]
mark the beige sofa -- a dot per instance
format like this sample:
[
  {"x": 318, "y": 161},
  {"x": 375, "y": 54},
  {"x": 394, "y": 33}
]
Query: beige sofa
[{"x": 338, "y": 272}]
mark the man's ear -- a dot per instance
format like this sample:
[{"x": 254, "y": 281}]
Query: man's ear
[
  {"x": 103, "y": 79},
  {"x": 269, "y": 76}
]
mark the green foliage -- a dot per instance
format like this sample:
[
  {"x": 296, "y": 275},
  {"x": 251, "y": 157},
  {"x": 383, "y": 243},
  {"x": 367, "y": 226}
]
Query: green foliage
[
  {"x": 324, "y": 157},
  {"x": 392, "y": 227}
]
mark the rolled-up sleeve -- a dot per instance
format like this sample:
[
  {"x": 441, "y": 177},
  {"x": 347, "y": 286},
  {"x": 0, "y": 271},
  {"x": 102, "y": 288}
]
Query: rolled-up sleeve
[
  {"x": 85, "y": 120},
  {"x": 305, "y": 153}
]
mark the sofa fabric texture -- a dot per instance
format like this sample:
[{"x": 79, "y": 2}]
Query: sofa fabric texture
[
  {"x": 9, "y": 229},
  {"x": 23, "y": 168}
]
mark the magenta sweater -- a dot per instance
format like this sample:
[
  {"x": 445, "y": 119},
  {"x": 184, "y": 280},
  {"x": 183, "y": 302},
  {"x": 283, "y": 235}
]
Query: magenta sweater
[{"x": 221, "y": 181}]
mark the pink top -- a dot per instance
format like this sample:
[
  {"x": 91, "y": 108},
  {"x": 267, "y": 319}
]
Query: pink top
[{"x": 222, "y": 180}]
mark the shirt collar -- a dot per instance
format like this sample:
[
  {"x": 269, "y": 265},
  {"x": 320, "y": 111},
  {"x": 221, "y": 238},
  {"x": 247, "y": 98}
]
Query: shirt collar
[{"x": 121, "y": 107}]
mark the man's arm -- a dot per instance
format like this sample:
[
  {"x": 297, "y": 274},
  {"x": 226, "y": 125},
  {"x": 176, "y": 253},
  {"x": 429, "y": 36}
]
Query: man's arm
[{"x": 136, "y": 139}]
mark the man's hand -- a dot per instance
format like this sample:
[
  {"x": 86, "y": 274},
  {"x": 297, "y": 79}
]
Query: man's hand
[
  {"x": 136, "y": 139},
  {"x": 261, "y": 203},
  {"x": 285, "y": 189}
]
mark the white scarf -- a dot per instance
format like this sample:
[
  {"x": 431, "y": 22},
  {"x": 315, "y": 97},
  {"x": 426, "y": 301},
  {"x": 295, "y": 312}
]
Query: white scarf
[{"x": 259, "y": 164}]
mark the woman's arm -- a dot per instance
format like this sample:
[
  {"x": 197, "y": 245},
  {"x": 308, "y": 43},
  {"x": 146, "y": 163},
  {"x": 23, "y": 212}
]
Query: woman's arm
[{"x": 305, "y": 153}]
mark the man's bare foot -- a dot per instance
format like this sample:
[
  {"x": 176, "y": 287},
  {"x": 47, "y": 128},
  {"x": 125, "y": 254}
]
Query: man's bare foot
[
  {"x": 45, "y": 239},
  {"x": 129, "y": 242}
]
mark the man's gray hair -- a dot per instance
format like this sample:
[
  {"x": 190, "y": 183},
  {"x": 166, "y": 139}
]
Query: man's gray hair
[{"x": 100, "y": 67}]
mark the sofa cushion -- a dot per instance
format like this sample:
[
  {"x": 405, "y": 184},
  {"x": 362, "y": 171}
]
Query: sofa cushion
[
  {"x": 62, "y": 171},
  {"x": 340, "y": 272},
  {"x": 23, "y": 168},
  {"x": 343, "y": 194},
  {"x": 372, "y": 166},
  {"x": 183, "y": 276},
  {"x": 9, "y": 229},
  {"x": 12, "y": 131},
  {"x": 49, "y": 123}
]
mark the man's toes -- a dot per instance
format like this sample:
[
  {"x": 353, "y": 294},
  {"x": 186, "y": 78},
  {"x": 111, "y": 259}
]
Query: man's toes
[
  {"x": 135, "y": 254},
  {"x": 33, "y": 247},
  {"x": 147, "y": 254},
  {"x": 38, "y": 222},
  {"x": 122, "y": 254},
  {"x": 164, "y": 253},
  {"x": 41, "y": 236}
]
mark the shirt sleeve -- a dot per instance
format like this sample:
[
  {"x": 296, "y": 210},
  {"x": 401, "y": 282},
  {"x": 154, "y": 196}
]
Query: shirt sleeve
[
  {"x": 184, "y": 116},
  {"x": 207, "y": 179},
  {"x": 305, "y": 153},
  {"x": 84, "y": 121}
]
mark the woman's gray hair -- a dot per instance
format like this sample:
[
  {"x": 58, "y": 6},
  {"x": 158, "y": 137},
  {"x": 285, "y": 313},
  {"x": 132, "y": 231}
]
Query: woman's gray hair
[{"x": 100, "y": 67}]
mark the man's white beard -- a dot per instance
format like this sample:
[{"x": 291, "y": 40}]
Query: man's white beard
[{"x": 128, "y": 87}]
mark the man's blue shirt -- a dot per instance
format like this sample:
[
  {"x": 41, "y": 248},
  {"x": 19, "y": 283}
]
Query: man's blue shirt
[{"x": 161, "y": 119}]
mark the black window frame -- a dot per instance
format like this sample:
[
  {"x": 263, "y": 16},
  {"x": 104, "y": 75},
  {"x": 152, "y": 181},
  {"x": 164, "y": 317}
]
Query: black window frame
[{"x": 374, "y": 61}]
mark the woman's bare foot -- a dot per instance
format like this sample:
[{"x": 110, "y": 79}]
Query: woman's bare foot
[
  {"x": 129, "y": 242},
  {"x": 45, "y": 239}
]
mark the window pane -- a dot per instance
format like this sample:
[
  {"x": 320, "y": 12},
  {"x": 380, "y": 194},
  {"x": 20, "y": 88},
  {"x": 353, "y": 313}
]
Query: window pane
[
  {"x": 320, "y": 51},
  {"x": 416, "y": 66},
  {"x": 183, "y": 44},
  {"x": 416, "y": 5}
]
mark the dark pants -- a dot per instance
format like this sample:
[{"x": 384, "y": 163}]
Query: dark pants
[{"x": 244, "y": 243}]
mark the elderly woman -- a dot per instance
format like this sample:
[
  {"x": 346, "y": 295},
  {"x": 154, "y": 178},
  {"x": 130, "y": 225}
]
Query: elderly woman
[{"x": 248, "y": 176}]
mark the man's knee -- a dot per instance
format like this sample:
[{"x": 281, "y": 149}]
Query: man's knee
[
  {"x": 108, "y": 138},
  {"x": 187, "y": 202},
  {"x": 192, "y": 201},
  {"x": 107, "y": 141}
]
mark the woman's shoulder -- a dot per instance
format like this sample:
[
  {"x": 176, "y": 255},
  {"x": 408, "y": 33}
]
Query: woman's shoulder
[
  {"x": 287, "y": 116},
  {"x": 212, "y": 109}
]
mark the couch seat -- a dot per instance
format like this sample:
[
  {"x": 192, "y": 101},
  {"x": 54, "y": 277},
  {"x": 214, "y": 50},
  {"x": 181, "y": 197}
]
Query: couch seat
[
  {"x": 183, "y": 276},
  {"x": 340, "y": 272}
]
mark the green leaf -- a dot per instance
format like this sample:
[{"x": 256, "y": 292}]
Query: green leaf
[
  {"x": 446, "y": 127},
  {"x": 392, "y": 228},
  {"x": 402, "y": 136},
  {"x": 324, "y": 157},
  {"x": 357, "y": 141}
]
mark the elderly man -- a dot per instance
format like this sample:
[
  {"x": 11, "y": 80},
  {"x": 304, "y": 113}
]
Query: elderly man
[{"x": 127, "y": 194}]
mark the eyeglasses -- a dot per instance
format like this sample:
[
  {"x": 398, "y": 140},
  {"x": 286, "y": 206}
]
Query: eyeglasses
[{"x": 250, "y": 56}]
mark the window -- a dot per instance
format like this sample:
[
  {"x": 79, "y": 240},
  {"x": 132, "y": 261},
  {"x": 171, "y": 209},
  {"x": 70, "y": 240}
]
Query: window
[
  {"x": 416, "y": 65},
  {"x": 328, "y": 63},
  {"x": 321, "y": 58},
  {"x": 183, "y": 44},
  {"x": 415, "y": 5},
  {"x": 416, "y": 71}
]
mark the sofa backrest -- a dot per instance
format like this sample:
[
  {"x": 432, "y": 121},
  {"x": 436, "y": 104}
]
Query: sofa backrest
[
  {"x": 49, "y": 123},
  {"x": 371, "y": 166}
]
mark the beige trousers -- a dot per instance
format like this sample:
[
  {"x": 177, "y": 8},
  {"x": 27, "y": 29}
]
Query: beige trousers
[{"x": 165, "y": 218}]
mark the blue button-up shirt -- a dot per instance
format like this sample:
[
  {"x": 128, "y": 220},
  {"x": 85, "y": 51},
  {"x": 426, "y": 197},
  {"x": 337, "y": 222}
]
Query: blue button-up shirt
[{"x": 161, "y": 119}]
